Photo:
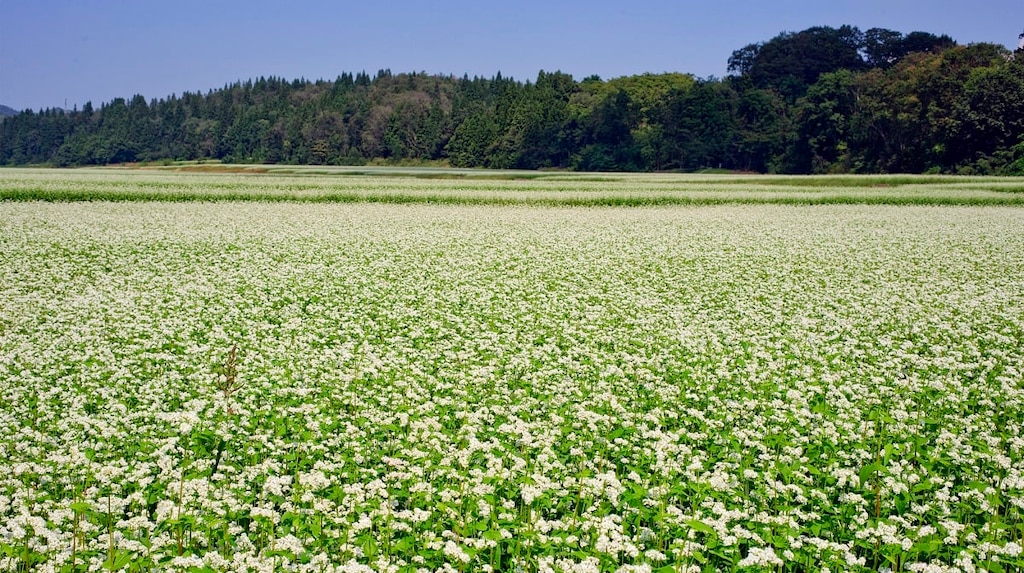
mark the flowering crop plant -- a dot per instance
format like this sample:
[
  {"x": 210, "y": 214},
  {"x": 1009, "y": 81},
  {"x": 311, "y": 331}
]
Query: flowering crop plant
[{"x": 345, "y": 387}]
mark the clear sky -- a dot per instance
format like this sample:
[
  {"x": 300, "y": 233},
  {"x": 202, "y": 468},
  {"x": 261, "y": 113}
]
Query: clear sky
[{"x": 52, "y": 51}]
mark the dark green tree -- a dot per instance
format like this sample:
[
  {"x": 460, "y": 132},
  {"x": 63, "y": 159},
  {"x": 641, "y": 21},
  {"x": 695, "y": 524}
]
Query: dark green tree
[
  {"x": 607, "y": 136},
  {"x": 539, "y": 122},
  {"x": 790, "y": 62},
  {"x": 987, "y": 120},
  {"x": 883, "y": 48},
  {"x": 823, "y": 118},
  {"x": 469, "y": 145},
  {"x": 764, "y": 127},
  {"x": 698, "y": 127}
]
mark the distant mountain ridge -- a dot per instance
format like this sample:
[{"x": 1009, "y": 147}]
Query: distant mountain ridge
[{"x": 4, "y": 110}]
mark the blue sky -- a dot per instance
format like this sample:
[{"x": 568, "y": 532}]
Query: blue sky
[{"x": 96, "y": 50}]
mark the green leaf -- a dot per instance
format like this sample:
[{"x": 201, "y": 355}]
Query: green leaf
[
  {"x": 926, "y": 546},
  {"x": 923, "y": 486},
  {"x": 477, "y": 526},
  {"x": 699, "y": 526},
  {"x": 404, "y": 544},
  {"x": 369, "y": 545},
  {"x": 978, "y": 485},
  {"x": 119, "y": 560},
  {"x": 868, "y": 472}
]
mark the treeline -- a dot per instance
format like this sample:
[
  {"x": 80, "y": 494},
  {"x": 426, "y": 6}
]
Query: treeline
[{"x": 817, "y": 101}]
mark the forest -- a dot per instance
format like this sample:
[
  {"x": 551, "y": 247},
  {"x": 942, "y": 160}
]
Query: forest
[{"x": 822, "y": 100}]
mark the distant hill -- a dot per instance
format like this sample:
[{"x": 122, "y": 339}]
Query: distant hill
[{"x": 4, "y": 110}]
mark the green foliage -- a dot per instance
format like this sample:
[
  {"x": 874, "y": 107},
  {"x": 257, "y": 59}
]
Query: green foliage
[
  {"x": 790, "y": 62},
  {"x": 823, "y": 100},
  {"x": 884, "y": 48}
]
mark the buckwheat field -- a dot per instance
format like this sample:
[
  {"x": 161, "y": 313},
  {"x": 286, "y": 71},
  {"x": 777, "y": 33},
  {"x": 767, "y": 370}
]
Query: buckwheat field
[{"x": 317, "y": 373}]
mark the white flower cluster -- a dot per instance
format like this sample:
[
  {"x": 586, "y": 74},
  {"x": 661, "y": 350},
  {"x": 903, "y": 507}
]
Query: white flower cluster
[{"x": 455, "y": 388}]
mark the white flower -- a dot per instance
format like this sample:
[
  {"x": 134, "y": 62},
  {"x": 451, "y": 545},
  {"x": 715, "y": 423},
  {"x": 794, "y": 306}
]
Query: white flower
[{"x": 760, "y": 557}]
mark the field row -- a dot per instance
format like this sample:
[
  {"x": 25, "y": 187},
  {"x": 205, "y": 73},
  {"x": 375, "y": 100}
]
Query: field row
[{"x": 465, "y": 187}]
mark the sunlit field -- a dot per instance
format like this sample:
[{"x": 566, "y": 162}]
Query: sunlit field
[{"x": 436, "y": 372}]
